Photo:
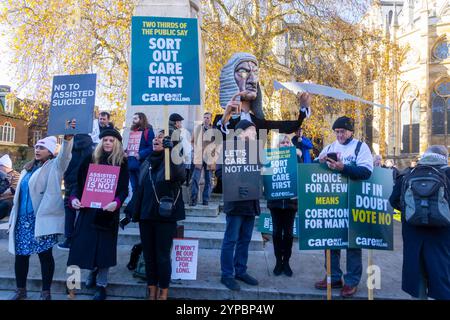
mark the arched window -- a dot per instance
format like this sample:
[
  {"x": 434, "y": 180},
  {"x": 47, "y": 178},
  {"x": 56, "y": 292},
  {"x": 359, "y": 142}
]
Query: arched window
[
  {"x": 410, "y": 122},
  {"x": 440, "y": 108},
  {"x": 441, "y": 50},
  {"x": 7, "y": 132}
]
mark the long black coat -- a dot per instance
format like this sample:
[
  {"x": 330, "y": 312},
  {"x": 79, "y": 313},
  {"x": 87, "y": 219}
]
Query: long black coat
[
  {"x": 92, "y": 247},
  {"x": 144, "y": 205},
  {"x": 427, "y": 248}
]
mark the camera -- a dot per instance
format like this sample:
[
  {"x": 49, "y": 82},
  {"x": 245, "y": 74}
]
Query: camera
[{"x": 123, "y": 222}]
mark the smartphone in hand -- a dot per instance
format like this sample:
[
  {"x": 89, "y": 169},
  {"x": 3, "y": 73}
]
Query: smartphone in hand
[{"x": 332, "y": 156}]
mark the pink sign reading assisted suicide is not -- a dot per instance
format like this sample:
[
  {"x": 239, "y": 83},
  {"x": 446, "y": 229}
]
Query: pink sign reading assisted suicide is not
[
  {"x": 133, "y": 143},
  {"x": 100, "y": 186}
]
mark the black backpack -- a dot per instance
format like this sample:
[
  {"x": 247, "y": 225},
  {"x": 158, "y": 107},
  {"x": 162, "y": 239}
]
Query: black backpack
[{"x": 425, "y": 197}]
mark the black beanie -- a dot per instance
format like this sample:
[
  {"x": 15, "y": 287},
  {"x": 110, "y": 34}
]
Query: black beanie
[
  {"x": 343, "y": 123},
  {"x": 244, "y": 124},
  {"x": 111, "y": 133}
]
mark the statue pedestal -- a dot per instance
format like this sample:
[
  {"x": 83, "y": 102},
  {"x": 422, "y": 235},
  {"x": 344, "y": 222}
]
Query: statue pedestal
[{"x": 155, "y": 114}]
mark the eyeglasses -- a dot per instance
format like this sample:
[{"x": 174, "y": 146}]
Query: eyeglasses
[{"x": 339, "y": 131}]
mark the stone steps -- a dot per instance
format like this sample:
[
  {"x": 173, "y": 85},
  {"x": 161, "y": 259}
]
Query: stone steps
[
  {"x": 207, "y": 239},
  {"x": 211, "y": 210},
  {"x": 306, "y": 265}
]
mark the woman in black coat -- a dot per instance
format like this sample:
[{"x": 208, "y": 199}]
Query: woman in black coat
[
  {"x": 157, "y": 232},
  {"x": 283, "y": 215},
  {"x": 426, "y": 250},
  {"x": 94, "y": 242}
]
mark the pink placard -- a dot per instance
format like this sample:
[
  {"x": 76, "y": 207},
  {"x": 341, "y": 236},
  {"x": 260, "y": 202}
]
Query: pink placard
[
  {"x": 133, "y": 143},
  {"x": 100, "y": 186}
]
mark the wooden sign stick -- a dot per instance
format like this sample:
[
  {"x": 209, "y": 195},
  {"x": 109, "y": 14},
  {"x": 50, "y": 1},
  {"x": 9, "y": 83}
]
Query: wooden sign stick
[
  {"x": 369, "y": 263},
  {"x": 166, "y": 151},
  {"x": 328, "y": 274}
]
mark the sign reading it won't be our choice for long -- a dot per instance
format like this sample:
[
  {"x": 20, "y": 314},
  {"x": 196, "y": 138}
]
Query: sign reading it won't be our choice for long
[{"x": 165, "y": 61}]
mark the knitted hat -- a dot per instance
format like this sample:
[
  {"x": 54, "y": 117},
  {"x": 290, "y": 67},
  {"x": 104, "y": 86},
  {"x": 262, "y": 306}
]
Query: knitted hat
[
  {"x": 343, "y": 123},
  {"x": 111, "y": 133},
  {"x": 49, "y": 143},
  {"x": 6, "y": 161}
]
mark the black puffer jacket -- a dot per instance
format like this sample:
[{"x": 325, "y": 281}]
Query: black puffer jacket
[
  {"x": 289, "y": 204},
  {"x": 144, "y": 204}
]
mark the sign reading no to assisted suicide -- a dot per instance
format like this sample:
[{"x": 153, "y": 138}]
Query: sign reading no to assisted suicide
[{"x": 164, "y": 61}]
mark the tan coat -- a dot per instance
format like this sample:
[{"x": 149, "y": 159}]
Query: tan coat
[
  {"x": 46, "y": 196},
  {"x": 204, "y": 151}
]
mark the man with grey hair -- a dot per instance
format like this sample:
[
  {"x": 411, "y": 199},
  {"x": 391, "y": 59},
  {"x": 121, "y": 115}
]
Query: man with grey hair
[
  {"x": 423, "y": 192},
  {"x": 241, "y": 97}
]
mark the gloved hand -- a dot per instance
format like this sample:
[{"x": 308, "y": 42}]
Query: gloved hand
[
  {"x": 167, "y": 143},
  {"x": 243, "y": 192}
]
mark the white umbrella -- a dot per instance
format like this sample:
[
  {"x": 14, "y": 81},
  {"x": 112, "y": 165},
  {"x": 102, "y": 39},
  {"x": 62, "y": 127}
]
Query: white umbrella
[{"x": 318, "y": 89}]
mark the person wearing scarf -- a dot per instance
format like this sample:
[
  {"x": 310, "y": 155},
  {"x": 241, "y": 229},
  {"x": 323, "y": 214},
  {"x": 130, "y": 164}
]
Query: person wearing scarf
[
  {"x": 157, "y": 231},
  {"x": 94, "y": 241}
]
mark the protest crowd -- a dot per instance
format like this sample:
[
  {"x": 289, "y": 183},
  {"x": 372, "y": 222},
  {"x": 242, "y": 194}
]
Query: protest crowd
[{"x": 55, "y": 194}]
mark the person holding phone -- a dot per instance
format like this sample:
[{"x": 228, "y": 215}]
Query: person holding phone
[
  {"x": 353, "y": 159},
  {"x": 94, "y": 240}
]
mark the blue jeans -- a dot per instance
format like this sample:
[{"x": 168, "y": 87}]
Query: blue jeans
[
  {"x": 238, "y": 234},
  {"x": 196, "y": 178},
  {"x": 354, "y": 266}
]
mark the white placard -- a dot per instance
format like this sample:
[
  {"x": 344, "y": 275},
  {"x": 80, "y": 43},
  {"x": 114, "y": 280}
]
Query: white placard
[{"x": 184, "y": 259}]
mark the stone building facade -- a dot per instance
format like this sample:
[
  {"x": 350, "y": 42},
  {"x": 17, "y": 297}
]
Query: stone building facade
[{"x": 419, "y": 98}]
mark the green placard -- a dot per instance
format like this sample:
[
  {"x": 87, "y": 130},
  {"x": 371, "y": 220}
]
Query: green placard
[
  {"x": 265, "y": 224},
  {"x": 280, "y": 174},
  {"x": 371, "y": 215},
  {"x": 322, "y": 208}
]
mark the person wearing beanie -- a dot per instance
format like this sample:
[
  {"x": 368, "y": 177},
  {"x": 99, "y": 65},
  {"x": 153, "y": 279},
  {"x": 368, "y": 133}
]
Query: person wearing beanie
[
  {"x": 94, "y": 241},
  {"x": 352, "y": 158},
  {"x": 426, "y": 254},
  {"x": 10, "y": 179},
  {"x": 37, "y": 216}
]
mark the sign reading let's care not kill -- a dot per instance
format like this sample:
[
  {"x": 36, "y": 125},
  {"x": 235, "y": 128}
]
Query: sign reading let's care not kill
[{"x": 165, "y": 61}]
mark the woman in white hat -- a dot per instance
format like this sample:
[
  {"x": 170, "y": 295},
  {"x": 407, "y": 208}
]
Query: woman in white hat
[{"x": 37, "y": 216}]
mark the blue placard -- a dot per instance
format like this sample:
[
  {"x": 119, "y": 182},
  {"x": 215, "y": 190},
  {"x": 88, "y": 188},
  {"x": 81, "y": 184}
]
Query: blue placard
[
  {"x": 280, "y": 174},
  {"x": 164, "y": 61},
  {"x": 73, "y": 98}
]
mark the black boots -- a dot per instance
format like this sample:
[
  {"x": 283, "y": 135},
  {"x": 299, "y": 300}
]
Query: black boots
[
  {"x": 134, "y": 256},
  {"x": 20, "y": 294},
  {"x": 45, "y": 295},
  {"x": 100, "y": 293},
  {"x": 282, "y": 266},
  {"x": 278, "y": 267},
  {"x": 287, "y": 268}
]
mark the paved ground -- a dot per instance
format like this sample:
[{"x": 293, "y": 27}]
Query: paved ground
[{"x": 307, "y": 267}]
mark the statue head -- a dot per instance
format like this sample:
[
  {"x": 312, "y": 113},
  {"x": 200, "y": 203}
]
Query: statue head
[{"x": 241, "y": 74}]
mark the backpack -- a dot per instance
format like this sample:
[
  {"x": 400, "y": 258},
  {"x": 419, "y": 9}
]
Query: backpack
[{"x": 425, "y": 197}]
